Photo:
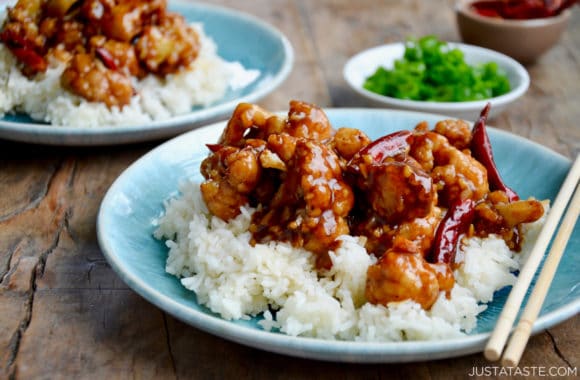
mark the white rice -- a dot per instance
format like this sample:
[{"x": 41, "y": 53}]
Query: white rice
[
  {"x": 204, "y": 82},
  {"x": 237, "y": 281}
]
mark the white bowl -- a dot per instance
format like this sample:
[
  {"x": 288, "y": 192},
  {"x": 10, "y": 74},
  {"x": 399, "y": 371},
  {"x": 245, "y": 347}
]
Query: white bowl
[{"x": 364, "y": 64}]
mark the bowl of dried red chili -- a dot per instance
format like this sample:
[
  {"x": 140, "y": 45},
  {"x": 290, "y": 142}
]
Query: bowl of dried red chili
[{"x": 521, "y": 29}]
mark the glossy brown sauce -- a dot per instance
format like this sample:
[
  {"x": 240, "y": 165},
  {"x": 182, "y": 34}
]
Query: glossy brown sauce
[{"x": 311, "y": 184}]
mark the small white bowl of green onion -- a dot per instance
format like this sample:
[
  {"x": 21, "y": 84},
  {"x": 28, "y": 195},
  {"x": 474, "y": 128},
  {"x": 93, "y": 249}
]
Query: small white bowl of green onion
[{"x": 434, "y": 76}]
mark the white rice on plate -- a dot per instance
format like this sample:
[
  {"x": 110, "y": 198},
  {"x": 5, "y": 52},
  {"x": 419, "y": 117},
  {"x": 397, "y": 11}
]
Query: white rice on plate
[
  {"x": 204, "y": 82},
  {"x": 215, "y": 260}
]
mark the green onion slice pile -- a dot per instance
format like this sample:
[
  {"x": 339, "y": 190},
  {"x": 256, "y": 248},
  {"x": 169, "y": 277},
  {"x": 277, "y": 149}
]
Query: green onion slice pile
[{"x": 432, "y": 71}]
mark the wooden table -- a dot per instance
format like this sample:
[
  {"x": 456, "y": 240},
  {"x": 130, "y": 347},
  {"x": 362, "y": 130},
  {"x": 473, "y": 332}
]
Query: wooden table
[{"x": 65, "y": 314}]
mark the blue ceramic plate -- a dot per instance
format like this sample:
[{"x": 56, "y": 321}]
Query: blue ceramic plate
[
  {"x": 135, "y": 200},
  {"x": 239, "y": 37}
]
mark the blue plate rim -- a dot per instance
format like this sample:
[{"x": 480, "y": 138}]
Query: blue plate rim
[{"x": 306, "y": 347}]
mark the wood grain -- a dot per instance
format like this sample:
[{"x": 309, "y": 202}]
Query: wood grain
[{"x": 64, "y": 312}]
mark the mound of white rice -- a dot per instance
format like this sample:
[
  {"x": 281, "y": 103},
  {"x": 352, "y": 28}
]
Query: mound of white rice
[
  {"x": 43, "y": 98},
  {"x": 237, "y": 281}
]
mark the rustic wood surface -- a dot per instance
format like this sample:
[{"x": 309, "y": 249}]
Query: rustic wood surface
[{"x": 65, "y": 314}]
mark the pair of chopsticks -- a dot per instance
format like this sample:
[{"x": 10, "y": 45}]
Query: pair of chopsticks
[{"x": 519, "y": 339}]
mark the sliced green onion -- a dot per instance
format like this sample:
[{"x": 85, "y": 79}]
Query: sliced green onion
[{"x": 432, "y": 71}]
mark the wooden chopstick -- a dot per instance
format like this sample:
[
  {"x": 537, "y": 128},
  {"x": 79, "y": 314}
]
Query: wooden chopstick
[
  {"x": 519, "y": 339},
  {"x": 500, "y": 334}
]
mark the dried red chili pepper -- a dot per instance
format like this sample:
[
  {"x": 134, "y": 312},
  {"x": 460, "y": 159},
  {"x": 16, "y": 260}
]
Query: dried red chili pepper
[
  {"x": 30, "y": 59},
  {"x": 387, "y": 146},
  {"x": 214, "y": 147},
  {"x": 521, "y": 9},
  {"x": 106, "y": 57},
  {"x": 481, "y": 150},
  {"x": 455, "y": 223},
  {"x": 390, "y": 145},
  {"x": 24, "y": 51}
]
